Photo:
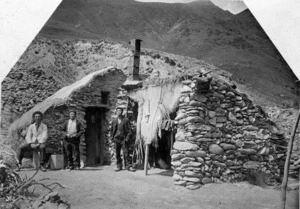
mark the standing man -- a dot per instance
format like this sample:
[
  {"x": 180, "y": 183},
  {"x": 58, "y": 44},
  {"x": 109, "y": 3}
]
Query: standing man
[
  {"x": 36, "y": 138},
  {"x": 73, "y": 131},
  {"x": 120, "y": 133}
]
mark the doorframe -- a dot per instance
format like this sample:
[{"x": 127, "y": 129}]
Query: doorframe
[{"x": 103, "y": 109}]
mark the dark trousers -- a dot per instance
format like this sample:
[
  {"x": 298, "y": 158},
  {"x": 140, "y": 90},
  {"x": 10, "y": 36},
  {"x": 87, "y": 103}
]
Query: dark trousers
[
  {"x": 27, "y": 148},
  {"x": 71, "y": 146},
  {"x": 124, "y": 146}
]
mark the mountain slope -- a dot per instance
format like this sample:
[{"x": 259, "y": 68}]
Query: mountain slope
[{"x": 235, "y": 43}]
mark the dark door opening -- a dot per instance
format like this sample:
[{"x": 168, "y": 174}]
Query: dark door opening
[{"x": 94, "y": 135}]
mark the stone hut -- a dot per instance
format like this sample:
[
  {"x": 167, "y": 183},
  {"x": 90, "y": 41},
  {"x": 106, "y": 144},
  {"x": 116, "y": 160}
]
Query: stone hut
[
  {"x": 94, "y": 98},
  {"x": 217, "y": 133}
]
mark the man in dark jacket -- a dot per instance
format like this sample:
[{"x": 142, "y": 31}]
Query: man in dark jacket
[
  {"x": 121, "y": 133},
  {"x": 73, "y": 130}
]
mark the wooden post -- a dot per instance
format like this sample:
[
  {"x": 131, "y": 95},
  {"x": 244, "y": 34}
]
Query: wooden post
[
  {"x": 287, "y": 163},
  {"x": 172, "y": 141},
  {"x": 146, "y": 159}
]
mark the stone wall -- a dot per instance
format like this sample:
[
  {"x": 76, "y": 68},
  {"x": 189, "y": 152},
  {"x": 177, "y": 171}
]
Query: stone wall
[
  {"x": 88, "y": 96},
  {"x": 221, "y": 135}
]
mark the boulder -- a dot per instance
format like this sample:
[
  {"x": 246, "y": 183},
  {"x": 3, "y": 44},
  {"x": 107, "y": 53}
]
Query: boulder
[
  {"x": 176, "y": 163},
  {"x": 232, "y": 118},
  {"x": 195, "y": 154},
  {"x": 247, "y": 151},
  {"x": 226, "y": 146},
  {"x": 193, "y": 187},
  {"x": 194, "y": 164},
  {"x": 185, "y": 146},
  {"x": 206, "y": 180},
  {"x": 186, "y": 89},
  {"x": 251, "y": 165},
  {"x": 180, "y": 136},
  {"x": 211, "y": 114},
  {"x": 194, "y": 103},
  {"x": 187, "y": 160},
  {"x": 177, "y": 177},
  {"x": 192, "y": 179},
  {"x": 176, "y": 157},
  {"x": 216, "y": 149}
]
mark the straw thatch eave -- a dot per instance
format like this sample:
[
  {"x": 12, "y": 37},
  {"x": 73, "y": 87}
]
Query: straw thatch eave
[{"x": 59, "y": 98}]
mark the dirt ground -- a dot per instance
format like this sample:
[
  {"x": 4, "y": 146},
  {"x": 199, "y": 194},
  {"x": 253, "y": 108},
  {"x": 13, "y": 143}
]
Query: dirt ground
[{"x": 101, "y": 187}]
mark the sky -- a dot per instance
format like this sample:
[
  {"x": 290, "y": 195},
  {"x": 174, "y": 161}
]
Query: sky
[
  {"x": 234, "y": 6},
  {"x": 21, "y": 20}
]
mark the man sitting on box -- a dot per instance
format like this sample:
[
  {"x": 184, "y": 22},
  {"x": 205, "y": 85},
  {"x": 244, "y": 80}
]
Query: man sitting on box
[
  {"x": 73, "y": 130},
  {"x": 36, "y": 138}
]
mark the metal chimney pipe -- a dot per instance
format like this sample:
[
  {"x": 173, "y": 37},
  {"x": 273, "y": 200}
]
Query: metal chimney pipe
[{"x": 136, "y": 43}]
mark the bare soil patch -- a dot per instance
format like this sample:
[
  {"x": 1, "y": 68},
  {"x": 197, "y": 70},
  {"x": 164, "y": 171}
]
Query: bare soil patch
[{"x": 101, "y": 187}]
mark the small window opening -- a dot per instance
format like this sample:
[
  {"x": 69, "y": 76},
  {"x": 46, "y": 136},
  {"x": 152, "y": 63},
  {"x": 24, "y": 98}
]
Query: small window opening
[{"x": 104, "y": 97}]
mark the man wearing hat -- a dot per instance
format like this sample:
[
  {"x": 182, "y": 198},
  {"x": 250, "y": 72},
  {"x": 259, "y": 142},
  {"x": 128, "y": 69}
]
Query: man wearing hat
[
  {"x": 36, "y": 138},
  {"x": 121, "y": 133}
]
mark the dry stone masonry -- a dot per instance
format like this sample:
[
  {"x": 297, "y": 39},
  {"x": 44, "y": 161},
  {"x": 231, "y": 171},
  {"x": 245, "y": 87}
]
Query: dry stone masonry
[
  {"x": 221, "y": 136},
  {"x": 88, "y": 96}
]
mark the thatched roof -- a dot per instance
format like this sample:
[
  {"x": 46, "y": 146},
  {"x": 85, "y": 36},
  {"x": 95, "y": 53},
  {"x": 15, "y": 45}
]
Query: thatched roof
[{"x": 57, "y": 99}]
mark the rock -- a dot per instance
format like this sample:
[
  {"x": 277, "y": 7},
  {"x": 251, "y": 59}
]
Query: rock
[
  {"x": 186, "y": 89},
  {"x": 212, "y": 121},
  {"x": 251, "y": 165},
  {"x": 180, "y": 136},
  {"x": 216, "y": 149},
  {"x": 199, "y": 159},
  {"x": 199, "y": 127},
  {"x": 186, "y": 160},
  {"x": 194, "y": 119},
  {"x": 297, "y": 162},
  {"x": 206, "y": 180},
  {"x": 192, "y": 179},
  {"x": 199, "y": 98},
  {"x": 177, "y": 177},
  {"x": 189, "y": 173},
  {"x": 194, "y": 164},
  {"x": 218, "y": 95},
  {"x": 185, "y": 146},
  {"x": 226, "y": 146},
  {"x": 220, "y": 112},
  {"x": 180, "y": 115},
  {"x": 264, "y": 151},
  {"x": 193, "y": 187},
  {"x": 249, "y": 144},
  {"x": 239, "y": 143},
  {"x": 229, "y": 163},
  {"x": 218, "y": 164},
  {"x": 238, "y": 98},
  {"x": 230, "y": 94},
  {"x": 251, "y": 128},
  {"x": 180, "y": 183},
  {"x": 221, "y": 119},
  {"x": 195, "y": 154},
  {"x": 186, "y": 82},
  {"x": 187, "y": 100},
  {"x": 219, "y": 125},
  {"x": 232, "y": 118},
  {"x": 176, "y": 157},
  {"x": 247, "y": 151},
  {"x": 176, "y": 163},
  {"x": 211, "y": 114},
  {"x": 194, "y": 103}
]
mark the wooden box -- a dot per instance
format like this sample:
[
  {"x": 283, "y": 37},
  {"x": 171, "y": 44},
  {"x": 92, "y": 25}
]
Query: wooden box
[{"x": 56, "y": 161}]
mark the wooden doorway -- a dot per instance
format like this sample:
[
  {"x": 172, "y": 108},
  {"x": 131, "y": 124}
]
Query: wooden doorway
[{"x": 94, "y": 135}]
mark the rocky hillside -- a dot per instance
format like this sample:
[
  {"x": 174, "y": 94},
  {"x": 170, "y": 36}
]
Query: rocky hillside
[
  {"x": 200, "y": 29},
  {"x": 48, "y": 65}
]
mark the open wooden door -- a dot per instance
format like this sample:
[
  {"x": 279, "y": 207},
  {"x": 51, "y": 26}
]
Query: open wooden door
[{"x": 94, "y": 135}]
